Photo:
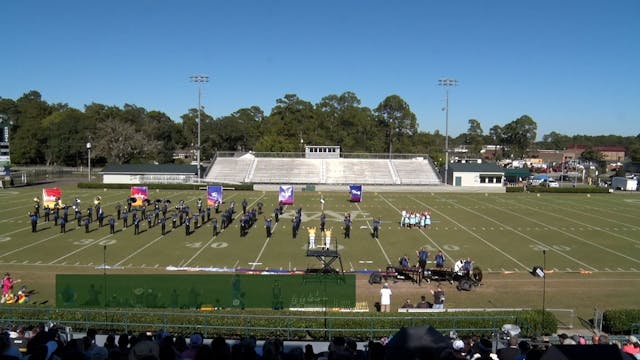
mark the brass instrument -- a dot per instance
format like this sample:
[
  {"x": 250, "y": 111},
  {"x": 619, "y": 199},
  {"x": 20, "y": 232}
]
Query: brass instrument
[{"x": 97, "y": 200}]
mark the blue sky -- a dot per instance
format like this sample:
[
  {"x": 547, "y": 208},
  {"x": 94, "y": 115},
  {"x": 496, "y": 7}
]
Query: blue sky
[{"x": 572, "y": 65}]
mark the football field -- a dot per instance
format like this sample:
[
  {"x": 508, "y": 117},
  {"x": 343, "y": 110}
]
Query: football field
[{"x": 502, "y": 233}]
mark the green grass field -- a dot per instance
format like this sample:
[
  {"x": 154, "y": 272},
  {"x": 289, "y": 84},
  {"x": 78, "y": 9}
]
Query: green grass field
[{"x": 591, "y": 242}]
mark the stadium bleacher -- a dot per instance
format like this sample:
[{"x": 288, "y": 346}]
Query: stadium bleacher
[{"x": 268, "y": 170}]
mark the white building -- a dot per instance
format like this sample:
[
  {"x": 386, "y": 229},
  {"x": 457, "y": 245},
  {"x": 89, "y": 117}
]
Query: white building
[{"x": 474, "y": 174}]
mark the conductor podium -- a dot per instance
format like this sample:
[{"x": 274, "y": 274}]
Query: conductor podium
[{"x": 327, "y": 257}]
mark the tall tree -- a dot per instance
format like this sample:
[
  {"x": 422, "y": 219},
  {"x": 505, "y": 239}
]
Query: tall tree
[
  {"x": 474, "y": 139},
  {"x": 28, "y": 137},
  {"x": 395, "y": 115},
  {"x": 519, "y": 135}
]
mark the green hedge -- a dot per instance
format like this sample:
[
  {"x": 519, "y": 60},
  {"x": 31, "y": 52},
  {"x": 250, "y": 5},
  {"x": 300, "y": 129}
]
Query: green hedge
[
  {"x": 559, "y": 190},
  {"x": 96, "y": 185},
  {"x": 267, "y": 323},
  {"x": 622, "y": 321}
]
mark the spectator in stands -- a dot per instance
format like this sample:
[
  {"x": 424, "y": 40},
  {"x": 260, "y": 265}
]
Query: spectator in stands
[
  {"x": 385, "y": 298},
  {"x": 483, "y": 349},
  {"x": 195, "y": 342},
  {"x": 455, "y": 352},
  {"x": 632, "y": 346},
  {"x": 123, "y": 345},
  {"x": 595, "y": 339},
  {"x": 524, "y": 347},
  {"x": 144, "y": 349},
  {"x": 308, "y": 353},
  {"x": 407, "y": 304},
  {"x": 110, "y": 342},
  {"x": 8, "y": 350},
  {"x": 167, "y": 349},
  {"x": 511, "y": 351},
  {"x": 221, "y": 350},
  {"x": 99, "y": 353},
  {"x": 423, "y": 304}
]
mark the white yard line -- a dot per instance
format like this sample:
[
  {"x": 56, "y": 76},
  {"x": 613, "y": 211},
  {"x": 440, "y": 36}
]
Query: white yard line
[
  {"x": 377, "y": 240},
  {"x": 592, "y": 214},
  {"x": 80, "y": 249},
  {"x": 561, "y": 231},
  {"x": 138, "y": 251},
  {"x": 30, "y": 245},
  {"x": 524, "y": 235},
  {"x": 436, "y": 245},
  {"x": 478, "y": 236}
]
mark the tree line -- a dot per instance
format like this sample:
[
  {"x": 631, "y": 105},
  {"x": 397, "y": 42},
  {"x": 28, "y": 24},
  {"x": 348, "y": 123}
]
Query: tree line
[{"x": 45, "y": 133}]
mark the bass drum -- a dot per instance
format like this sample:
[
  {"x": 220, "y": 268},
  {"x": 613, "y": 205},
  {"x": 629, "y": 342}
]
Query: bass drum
[{"x": 476, "y": 274}]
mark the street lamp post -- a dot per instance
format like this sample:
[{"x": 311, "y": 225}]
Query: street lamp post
[
  {"x": 199, "y": 79},
  {"x": 89, "y": 159},
  {"x": 446, "y": 82}
]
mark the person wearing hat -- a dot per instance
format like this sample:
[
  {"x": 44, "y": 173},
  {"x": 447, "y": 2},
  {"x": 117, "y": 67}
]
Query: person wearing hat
[
  {"x": 385, "y": 298},
  {"x": 632, "y": 346},
  {"x": 455, "y": 352}
]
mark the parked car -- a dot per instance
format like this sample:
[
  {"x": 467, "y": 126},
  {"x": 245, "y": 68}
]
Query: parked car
[{"x": 549, "y": 183}]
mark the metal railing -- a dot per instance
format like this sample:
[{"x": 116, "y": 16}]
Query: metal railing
[{"x": 287, "y": 326}]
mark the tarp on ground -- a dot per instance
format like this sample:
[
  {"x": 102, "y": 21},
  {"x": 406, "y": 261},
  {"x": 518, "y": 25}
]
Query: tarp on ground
[{"x": 422, "y": 342}]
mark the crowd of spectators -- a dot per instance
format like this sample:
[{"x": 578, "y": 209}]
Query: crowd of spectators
[{"x": 52, "y": 344}]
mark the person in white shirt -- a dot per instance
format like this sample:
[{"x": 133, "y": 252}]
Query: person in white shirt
[{"x": 385, "y": 298}]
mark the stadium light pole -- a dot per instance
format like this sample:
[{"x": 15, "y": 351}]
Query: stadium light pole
[
  {"x": 199, "y": 79},
  {"x": 446, "y": 83},
  {"x": 390, "y": 138}
]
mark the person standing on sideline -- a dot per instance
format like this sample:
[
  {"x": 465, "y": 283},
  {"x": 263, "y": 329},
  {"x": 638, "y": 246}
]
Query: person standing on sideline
[
  {"x": 385, "y": 298},
  {"x": 438, "y": 297}
]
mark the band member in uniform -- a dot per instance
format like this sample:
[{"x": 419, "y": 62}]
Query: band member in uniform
[
  {"x": 327, "y": 238},
  {"x": 34, "y": 221},
  {"x": 312, "y": 236},
  {"x": 112, "y": 225},
  {"x": 376, "y": 227},
  {"x": 267, "y": 226}
]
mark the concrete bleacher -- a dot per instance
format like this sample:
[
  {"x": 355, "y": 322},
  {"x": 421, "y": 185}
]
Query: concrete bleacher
[
  {"x": 358, "y": 171},
  {"x": 230, "y": 170},
  {"x": 286, "y": 170},
  {"x": 265, "y": 170},
  {"x": 415, "y": 172}
]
